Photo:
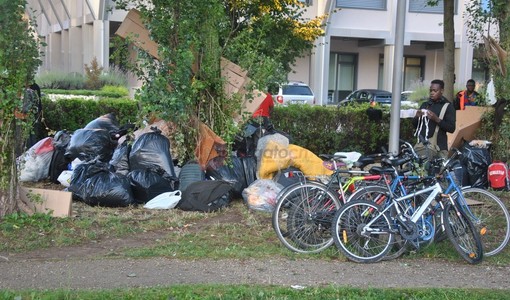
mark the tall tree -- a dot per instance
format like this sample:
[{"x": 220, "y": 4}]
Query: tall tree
[
  {"x": 19, "y": 60},
  {"x": 449, "y": 49},
  {"x": 263, "y": 37}
]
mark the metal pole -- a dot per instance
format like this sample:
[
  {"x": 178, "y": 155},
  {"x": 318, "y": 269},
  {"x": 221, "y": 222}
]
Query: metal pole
[{"x": 397, "y": 78}]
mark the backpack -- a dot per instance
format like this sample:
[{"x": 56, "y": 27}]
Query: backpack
[
  {"x": 206, "y": 196},
  {"x": 499, "y": 176}
]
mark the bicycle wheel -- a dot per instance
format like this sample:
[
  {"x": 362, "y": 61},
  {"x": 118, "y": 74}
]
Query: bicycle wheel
[
  {"x": 462, "y": 234},
  {"x": 490, "y": 217},
  {"x": 351, "y": 239},
  {"x": 379, "y": 195},
  {"x": 302, "y": 217}
]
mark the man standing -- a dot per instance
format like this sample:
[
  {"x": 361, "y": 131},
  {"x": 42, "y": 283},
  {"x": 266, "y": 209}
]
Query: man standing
[
  {"x": 466, "y": 97},
  {"x": 433, "y": 120}
]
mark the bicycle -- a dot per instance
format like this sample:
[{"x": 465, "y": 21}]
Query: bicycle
[
  {"x": 365, "y": 231},
  {"x": 487, "y": 212},
  {"x": 302, "y": 215}
]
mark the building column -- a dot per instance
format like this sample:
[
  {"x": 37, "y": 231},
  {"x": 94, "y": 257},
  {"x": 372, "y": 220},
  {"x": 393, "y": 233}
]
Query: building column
[
  {"x": 101, "y": 41},
  {"x": 64, "y": 51},
  {"x": 321, "y": 66},
  {"x": 76, "y": 50},
  {"x": 389, "y": 60},
  {"x": 53, "y": 52}
]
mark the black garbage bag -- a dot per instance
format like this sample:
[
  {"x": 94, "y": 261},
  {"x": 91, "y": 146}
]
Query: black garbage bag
[
  {"x": 151, "y": 150},
  {"x": 107, "y": 122},
  {"x": 120, "y": 158},
  {"x": 231, "y": 172},
  {"x": 90, "y": 144},
  {"x": 108, "y": 189},
  {"x": 59, "y": 162},
  {"x": 476, "y": 162},
  {"x": 149, "y": 183},
  {"x": 81, "y": 173},
  {"x": 250, "y": 169}
]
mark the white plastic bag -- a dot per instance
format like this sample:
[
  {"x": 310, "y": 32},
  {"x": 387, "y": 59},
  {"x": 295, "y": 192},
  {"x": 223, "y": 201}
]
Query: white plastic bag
[
  {"x": 491, "y": 93},
  {"x": 65, "y": 178},
  {"x": 261, "y": 195},
  {"x": 166, "y": 200}
]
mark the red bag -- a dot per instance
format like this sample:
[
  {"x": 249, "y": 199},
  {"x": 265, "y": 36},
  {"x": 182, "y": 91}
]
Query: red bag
[{"x": 498, "y": 175}]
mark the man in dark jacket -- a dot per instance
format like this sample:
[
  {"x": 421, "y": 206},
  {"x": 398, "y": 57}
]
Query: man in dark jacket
[{"x": 427, "y": 118}]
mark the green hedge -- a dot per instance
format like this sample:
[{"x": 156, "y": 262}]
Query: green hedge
[
  {"x": 317, "y": 128},
  {"x": 331, "y": 129},
  {"x": 75, "y": 113}
]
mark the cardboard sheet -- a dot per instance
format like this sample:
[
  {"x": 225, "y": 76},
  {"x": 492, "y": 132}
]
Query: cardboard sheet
[{"x": 59, "y": 203}]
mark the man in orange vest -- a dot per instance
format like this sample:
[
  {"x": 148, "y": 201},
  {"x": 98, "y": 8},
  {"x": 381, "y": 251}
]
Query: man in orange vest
[{"x": 466, "y": 97}]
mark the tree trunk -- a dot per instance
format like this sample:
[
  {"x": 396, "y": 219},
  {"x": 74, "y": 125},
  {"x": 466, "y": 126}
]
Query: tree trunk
[
  {"x": 9, "y": 181},
  {"x": 449, "y": 49}
]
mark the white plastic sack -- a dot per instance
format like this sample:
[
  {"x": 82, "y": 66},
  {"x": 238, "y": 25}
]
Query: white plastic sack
[
  {"x": 491, "y": 93},
  {"x": 65, "y": 178},
  {"x": 166, "y": 200},
  {"x": 34, "y": 163},
  {"x": 350, "y": 157},
  {"x": 261, "y": 195}
]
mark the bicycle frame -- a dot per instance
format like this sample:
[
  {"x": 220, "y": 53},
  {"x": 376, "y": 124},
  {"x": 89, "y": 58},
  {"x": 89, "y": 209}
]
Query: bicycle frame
[{"x": 434, "y": 190}]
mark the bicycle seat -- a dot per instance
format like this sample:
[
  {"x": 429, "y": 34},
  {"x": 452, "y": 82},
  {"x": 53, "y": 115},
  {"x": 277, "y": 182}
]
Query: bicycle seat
[
  {"x": 380, "y": 170},
  {"x": 363, "y": 162}
]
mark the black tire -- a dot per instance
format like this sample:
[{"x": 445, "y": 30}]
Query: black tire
[
  {"x": 356, "y": 245},
  {"x": 302, "y": 217},
  {"x": 462, "y": 234},
  {"x": 490, "y": 217}
]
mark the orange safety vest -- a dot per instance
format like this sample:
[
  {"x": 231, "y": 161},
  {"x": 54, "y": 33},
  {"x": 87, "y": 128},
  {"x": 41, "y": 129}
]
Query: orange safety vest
[
  {"x": 462, "y": 94},
  {"x": 462, "y": 99}
]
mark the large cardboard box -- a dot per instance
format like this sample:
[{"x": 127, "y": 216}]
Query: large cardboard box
[
  {"x": 59, "y": 203},
  {"x": 133, "y": 27},
  {"x": 468, "y": 121}
]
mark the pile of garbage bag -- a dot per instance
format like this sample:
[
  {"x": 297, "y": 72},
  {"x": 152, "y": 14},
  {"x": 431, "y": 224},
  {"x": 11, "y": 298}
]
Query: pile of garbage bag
[{"x": 102, "y": 165}]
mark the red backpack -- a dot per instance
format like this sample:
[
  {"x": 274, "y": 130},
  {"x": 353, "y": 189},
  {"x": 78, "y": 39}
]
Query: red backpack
[{"x": 498, "y": 175}]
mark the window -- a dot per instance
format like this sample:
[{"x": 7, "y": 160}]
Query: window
[
  {"x": 363, "y": 4},
  {"x": 306, "y": 2},
  {"x": 420, "y": 6},
  {"x": 413, "y": 71},
  {"x": 342, "y": 75}
]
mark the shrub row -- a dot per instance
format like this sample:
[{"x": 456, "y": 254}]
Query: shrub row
[{"x": 319, "y": 129}]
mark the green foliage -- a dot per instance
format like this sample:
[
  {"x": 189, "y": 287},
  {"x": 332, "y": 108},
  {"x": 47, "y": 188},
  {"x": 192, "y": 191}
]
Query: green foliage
[
  {"x": 60, "y": 80},
  {"x": 93, "y": 73},
  {"x": 72, "y": 114},
  {"x": 22, "y": 221},
  {"x": 252, "y": 291},
  {"x": 106, "y": 91},
  {"x": 500, "y": 139},
  {"x": 326, "y": 130},
  {"x": 19, "y": 60},
  {"x": 114, "y": 76},
  {"x": 185, "y": 84}
]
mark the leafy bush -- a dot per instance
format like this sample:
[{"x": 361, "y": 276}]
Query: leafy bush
[
  {"x": 331, "y": 129},
  {"x": 500, "y": 139},
  {"x": 72, "y": 114},
  {"x": 317, "y": 128},
  {"x": 113, "y": 77},
  {"x": 106, "y": 91},
  {"x": 60, "y": 80}
]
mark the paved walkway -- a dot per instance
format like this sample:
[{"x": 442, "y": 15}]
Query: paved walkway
[{"x": 129, "y": 273}]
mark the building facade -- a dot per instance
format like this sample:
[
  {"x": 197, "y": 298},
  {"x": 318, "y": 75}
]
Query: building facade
[{"x": 356, "y": 51}]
